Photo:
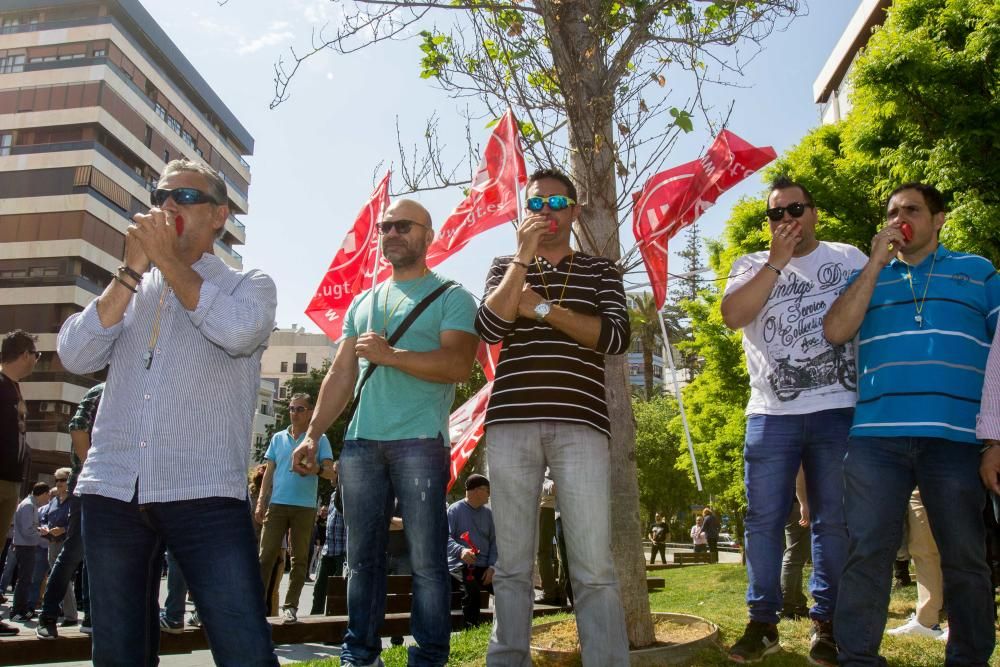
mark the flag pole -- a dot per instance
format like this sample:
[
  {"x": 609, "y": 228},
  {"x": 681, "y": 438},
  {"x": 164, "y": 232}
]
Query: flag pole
[
  {"x": 680, "y": 398},
  {"x": 378, "y": 260}
]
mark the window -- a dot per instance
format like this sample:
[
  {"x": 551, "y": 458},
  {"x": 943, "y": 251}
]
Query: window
[
  {"x": 174, "y": 124},
  {"x": 160, "y": 111},
  {"x": 6, "y": 140},
  {"x": 166, "y": 156},
  {"x": 300, "y": 357},
  {"x": 100, "y": 53},
  {"x": 282, "y": 393},
  {"x": 284, "y": 367},
  {"x": 188, "y": 139},
  {"x": 11, "y": 64}
]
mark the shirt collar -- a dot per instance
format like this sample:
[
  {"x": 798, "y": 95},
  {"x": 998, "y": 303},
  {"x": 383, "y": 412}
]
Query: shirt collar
[{"x": 939, "y": 253}]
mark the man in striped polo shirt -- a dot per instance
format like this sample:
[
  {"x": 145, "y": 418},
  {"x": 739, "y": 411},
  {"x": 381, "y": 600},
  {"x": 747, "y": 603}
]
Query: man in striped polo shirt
[
  {"x": 182, "y": 335},
  {"x": 924, "y": 316},
  {"x": 802, "y": 394},
  {"x": 558, "y": 313}
]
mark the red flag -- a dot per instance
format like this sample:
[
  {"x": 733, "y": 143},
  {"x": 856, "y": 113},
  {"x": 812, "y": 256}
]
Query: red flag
[
  {"x": 466, "y": 427},
  {"x": 487, "y": 356},
  {"x": 493, "y": 196},
  {"x": 673, "y": 199},
  {"x": 352, "y": 268}
]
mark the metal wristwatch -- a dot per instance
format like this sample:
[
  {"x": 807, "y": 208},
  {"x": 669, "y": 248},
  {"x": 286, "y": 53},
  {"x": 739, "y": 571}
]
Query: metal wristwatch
[{"x": 542, "y": 310}]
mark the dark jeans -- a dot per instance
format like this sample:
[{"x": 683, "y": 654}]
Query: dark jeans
[
  {"x": 658, "y": 548},
  {"x": 329, "y": 566},
  {"x": 67, "y": 562},
  {"x": 212, "y": 540},
  {"x": 374, "y": 474},
  {"x": 879, "y": 476},
  {"x": 469, "y": 580},
  {"x": 546, "y": 554},
  {"x": 25, "y": 558},
  {"x": 176, "y": 602}
]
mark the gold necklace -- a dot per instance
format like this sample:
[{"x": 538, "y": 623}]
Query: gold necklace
[
  {"x": 919, "y": 318},
  {"x": 155, "y": 333},
  {"x": 545, "y": 285},
  {"x": 385, "y": 301}
]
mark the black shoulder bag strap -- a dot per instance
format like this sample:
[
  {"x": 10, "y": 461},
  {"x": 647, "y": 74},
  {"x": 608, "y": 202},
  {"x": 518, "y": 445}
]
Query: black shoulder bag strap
[{"x": 395, "y": 336}]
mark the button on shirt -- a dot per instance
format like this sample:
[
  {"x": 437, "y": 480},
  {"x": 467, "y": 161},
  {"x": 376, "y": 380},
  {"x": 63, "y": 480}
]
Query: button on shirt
[
  {"x": 180, "y": 429},
  {"x": 291, "y": 488}
]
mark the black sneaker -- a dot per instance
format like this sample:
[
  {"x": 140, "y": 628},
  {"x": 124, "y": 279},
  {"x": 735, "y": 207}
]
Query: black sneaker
[
  {"x": 8, "y": 630},
  {"x": 23, "y": 617},
  {"x": 85, "y": 626},
  {"x": 46, "y": 630},
  {"x": 758, "y": 640},
  {"x": 69, "y": 623},
  {"x": 823, "y": 647}
]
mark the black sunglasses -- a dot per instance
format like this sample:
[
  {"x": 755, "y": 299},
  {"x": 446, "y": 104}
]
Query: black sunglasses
[
  {"x": 181, "y": 197},
  {"x": 402, "y": 226},
  {"x": 795, "y": 209},
  {"x": 36, "y": 354},
  {"x": 297, "y": 408},
  {"x": 555, "y": 202}
]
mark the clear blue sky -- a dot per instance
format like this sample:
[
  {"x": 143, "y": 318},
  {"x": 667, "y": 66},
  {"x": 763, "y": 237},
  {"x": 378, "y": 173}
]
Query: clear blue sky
[{"x": 316, "y": 153}]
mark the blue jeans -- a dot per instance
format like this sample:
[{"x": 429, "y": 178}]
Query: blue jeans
[
  {"x": 25, "y": 557},
  {"x": 38, "y": 576},
  {"x": 879, "y": 475},
  {"x": 373, "y": 474},
  {"x": 776, "y": 445},
  {"x": 67, "y": 562},
  {"x": 212, "y": 540}
]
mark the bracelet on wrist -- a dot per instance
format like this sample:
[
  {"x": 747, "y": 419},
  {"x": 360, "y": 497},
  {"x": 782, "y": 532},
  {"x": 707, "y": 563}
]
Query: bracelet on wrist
[
  {"x": 768, "y": 265},
  {"x": 988, "y": 446},
  {"x": 520, "y": 263},
  {"x": 127, "y": 286},
  {"x": 127, "y": 270}
]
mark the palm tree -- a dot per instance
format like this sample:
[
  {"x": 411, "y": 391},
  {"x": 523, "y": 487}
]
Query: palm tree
[{"x": 643, "y": 315}]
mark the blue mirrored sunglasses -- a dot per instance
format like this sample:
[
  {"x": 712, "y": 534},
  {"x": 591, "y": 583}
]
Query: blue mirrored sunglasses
[
  {"x": 555, "y": 202},
  {"x": 181, "y": 197}
]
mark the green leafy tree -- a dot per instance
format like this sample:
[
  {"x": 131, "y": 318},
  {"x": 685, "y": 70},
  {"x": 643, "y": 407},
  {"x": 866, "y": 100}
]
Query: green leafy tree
[
  {"x": 588, "y": 80},
  {"x": 644, "y": 319},
  {"x": 665, "y": 485}
]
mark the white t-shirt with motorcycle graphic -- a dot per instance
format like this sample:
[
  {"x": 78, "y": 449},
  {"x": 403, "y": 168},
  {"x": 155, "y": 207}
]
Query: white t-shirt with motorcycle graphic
[{"x": 793, "y": 369}]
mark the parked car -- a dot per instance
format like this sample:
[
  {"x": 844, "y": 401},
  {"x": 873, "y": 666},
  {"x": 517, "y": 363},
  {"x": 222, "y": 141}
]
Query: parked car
[{"x": 726, "y": 540}]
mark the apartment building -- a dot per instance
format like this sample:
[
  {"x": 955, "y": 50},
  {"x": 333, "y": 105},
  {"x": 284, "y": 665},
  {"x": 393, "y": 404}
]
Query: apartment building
[
  {"x": 832, "y": 88},
  {"x": 94, "y": 100},
  {"x": 292, "y": 352}
]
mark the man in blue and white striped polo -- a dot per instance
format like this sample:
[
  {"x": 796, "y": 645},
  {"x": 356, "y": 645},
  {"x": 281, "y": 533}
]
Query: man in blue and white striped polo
[
  {"x": 182, "y": 335},
  {"x": 925, "y": 317}
]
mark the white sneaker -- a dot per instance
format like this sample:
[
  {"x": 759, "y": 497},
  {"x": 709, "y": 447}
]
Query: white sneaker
[
  {"x": 913, "y": 627},
  {"x": 943, "y": 637},
  {"x": 289, "y": 615}
]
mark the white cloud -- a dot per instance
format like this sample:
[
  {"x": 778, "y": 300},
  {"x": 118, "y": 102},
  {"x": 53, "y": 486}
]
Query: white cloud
[{"x": 267, "y": 39}]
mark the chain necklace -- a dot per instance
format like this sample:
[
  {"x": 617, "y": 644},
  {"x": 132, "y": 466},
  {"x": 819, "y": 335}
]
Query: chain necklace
[
  {"x": 385, "y": 300},
  {"x": 919, "y": 318},
  {"x": 545, "y": 285},
  {"x": 155, "y": 333}
]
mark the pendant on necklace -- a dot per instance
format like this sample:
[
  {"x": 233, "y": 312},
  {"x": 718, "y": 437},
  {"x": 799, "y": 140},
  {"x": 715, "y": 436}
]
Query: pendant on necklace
[{"x": 919, "y": 320}]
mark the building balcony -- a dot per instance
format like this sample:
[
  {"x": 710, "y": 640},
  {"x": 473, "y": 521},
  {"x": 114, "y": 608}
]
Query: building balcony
[{"x": 300, "y": 368}]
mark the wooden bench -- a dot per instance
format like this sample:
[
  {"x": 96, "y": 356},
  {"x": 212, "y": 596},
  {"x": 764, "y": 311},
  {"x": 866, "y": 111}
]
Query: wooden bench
[
  {"x": 73, "y": 645},
  {"x": 690, "y": 558}
]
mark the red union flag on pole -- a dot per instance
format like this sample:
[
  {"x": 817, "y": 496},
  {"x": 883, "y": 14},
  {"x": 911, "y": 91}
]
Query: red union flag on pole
[
  {"x": 493, "y": 196},
  {"x": 466, "y": 427},
  {"x": 673, "y": 199},
  {"x": 353, "y": 267}
]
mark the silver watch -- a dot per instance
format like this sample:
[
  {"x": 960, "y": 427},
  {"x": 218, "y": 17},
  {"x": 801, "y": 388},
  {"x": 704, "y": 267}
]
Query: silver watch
[{"x": 542, "y": 310}]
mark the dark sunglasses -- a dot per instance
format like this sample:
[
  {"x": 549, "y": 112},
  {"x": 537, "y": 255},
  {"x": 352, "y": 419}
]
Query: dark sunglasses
[
  {"x": 61, "y": 480},
  {"x": 181, "y": 197},
  {"x": 37, "y": 355},
  {"x": 402, "y": 226},
  {"x": 297, "y": 408},
  {"x": 795, "y": 209},
  {"x": 555, "y": 202}
]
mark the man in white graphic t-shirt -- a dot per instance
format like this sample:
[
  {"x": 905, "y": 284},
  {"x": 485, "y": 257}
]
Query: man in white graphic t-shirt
[{"x": 802, "y": 395}]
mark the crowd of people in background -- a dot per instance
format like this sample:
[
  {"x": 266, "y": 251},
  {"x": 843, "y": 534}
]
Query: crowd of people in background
[{"x": 874, "y": 380}]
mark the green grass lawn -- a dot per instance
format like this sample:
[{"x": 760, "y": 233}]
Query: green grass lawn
[{"x": 715, "y": 592}]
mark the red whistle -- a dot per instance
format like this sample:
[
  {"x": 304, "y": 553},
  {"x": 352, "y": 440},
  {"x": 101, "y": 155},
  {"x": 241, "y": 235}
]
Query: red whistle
[
  {"x": 907, "y": 231},
  {"x": 179, "y": 224},
  {"x": 553, "y": 226}
]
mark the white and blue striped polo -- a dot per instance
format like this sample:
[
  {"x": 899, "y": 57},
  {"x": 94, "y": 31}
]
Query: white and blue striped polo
[{"x": 921, "y": 359}]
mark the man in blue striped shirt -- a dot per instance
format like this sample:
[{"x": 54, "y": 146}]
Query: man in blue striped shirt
[
  {"x": 171, "y": 444},
  {"x": 925, "y": 317}
]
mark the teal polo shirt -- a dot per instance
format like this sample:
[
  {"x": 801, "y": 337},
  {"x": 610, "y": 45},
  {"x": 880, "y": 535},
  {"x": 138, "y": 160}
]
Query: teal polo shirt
[
  {"x": 925, "y": 379},
  {"x": 396, "y": 405},
  {"x": 291, "y": 488}
]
